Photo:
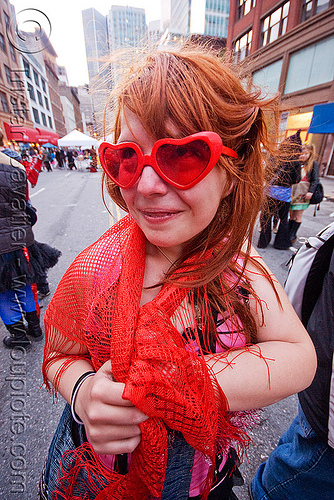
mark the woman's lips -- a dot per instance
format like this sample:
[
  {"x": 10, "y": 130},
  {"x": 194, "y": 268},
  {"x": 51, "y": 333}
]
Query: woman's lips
[{"x": 161, "y": 215}]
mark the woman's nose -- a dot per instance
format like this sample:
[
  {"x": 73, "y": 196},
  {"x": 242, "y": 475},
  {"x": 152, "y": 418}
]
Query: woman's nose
[{"x": 150, "y": 182}]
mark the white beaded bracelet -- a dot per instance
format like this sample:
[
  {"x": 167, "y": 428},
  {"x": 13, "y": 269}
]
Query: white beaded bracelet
[{"x": 76, "y": 387}]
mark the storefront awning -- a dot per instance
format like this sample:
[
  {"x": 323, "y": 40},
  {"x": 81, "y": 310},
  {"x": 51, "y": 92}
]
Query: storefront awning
[
  {"x": 26, "y": 134},
  {"x": 323, "y": 119},
  {"x": 20, "y": 134},
  {"x": 47, "y": 136}
]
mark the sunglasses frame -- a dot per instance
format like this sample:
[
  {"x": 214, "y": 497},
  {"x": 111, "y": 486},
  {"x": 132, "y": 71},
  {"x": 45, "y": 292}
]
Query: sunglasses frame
[{"x": 212, "y": 139}]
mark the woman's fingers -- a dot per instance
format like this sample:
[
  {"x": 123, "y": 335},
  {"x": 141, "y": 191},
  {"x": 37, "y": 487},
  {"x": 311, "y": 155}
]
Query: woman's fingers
[
  {"x": 111, "y": 422},
  {"x": 116, "y": 447},
  {"x": 100, "y": 413}
]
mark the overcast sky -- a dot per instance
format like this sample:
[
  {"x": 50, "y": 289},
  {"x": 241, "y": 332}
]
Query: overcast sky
[{"x": 66, "y": 27}]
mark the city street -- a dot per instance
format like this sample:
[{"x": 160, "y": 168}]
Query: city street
[{"x": 71, "y": 215}]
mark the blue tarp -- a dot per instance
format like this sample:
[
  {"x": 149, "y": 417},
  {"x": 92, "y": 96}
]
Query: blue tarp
[{"x": 323, "y": 119}]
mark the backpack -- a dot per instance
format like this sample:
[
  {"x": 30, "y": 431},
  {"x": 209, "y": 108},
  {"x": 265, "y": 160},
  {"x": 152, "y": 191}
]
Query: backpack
[
  {"x": 318, "y": 195},
  {"x": 307, "y": 269}
]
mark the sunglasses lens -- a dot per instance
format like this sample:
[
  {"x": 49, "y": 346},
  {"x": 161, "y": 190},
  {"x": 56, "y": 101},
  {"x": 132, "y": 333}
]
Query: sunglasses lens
[
  {"x": 183, "y": 163},
  {"x": 121, "y": 164}
]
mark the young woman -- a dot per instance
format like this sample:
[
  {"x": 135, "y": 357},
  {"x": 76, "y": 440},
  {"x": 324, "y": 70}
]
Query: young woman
[
  {"x": 167, "y": 331},
  {"x": 287, "y": 173},
  {"x": 303, "y": 191}
]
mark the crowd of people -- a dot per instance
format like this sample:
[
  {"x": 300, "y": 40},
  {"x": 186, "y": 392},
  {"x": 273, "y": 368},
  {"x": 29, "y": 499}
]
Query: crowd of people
[
  {"x": 62, "y": 158},
  {"x": 167, "y": 334}
]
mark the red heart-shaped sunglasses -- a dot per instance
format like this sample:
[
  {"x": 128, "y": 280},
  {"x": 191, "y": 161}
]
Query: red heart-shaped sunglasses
[{"x": 180, "y": 162}]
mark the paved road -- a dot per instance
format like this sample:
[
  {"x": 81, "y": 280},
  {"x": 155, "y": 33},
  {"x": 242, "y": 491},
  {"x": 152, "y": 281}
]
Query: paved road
[{"x": 71, "y": 215}]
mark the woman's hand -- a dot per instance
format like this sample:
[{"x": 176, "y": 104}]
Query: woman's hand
[
  {"x": 111, "y": 422},
  {"x": 308, "y": 196}
]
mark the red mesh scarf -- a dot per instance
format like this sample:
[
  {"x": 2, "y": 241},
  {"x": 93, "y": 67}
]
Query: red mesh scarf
[{"x": 97, "y": 306}]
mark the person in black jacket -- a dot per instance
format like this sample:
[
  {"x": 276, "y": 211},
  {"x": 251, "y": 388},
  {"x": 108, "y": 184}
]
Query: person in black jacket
[
  {"x": 17, "y": 260},
  {"x": 302, "y": 465},
  {"x": 279, "y": 195},
  {"x": 304, "y": 190}
]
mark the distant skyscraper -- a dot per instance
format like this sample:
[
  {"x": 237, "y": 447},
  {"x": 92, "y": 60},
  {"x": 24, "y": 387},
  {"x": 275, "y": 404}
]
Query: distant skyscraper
[
  {"x": 97, "y": 51},
  {"x": 96, "y": 40},
  {"x": 126, "y": 27},
  {"x": 205, "y": 17},
  {"x": 180, "y": 16},
  {"x": 214, "y": 16}
]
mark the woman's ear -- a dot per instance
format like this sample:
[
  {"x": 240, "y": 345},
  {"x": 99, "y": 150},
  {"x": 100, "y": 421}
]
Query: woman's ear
[{"x": 229, "y": 186}]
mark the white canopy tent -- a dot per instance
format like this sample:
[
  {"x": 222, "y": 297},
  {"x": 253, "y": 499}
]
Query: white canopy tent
[{"x": 77, "y": 139}]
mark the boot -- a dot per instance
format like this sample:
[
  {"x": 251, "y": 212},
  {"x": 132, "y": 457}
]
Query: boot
[
  {"x": 34, "y": 329},
  {"x": 293, "y": 228},
  {"x": 18, "y": 336}
]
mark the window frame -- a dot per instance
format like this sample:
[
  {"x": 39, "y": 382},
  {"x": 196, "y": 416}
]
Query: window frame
[
  {"x": 248, "y": 45},
  {"x": 44, "y": 119},
  {"x": 12, "y": 53},
  {"x": 265, "y": 37},
  {"x": 39, "y": 98},
  {"x": 3, "y": 44},
  {"x": 3, "y": 100},
  {"x": 8, "y": 73},
  {"x": 26, "y": 67},
  {"x": 24, "y": 109},
  {"x": 313, "y": 10},
  {"x": 241, "y": 8},
  {"x": 31, "y": 91},
  {"x": 36, "y": 77},
  {"x": 36, "y": 115}
]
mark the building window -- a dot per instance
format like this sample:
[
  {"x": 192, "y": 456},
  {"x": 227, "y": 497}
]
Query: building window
[
  {"x": 4, "y": 102},
  {"x": 31, "y": 92},
  {"x": 36, "y": 78},
  {"x": 2, "y": 43},
  {"x": 24, "y": 110},
  {"x": 36, "y": 115},
  {"x": 311, "y": 66},
  {"x": 44, "y": 119},
  {"x": 8, "y": 75},
  {"x": 39, "y": 97},
  {"x": 43, "y": 85},
  {"x": 243, "y": 46},
  {"x": 245, "y": 6},
  {"x": 274, "y": 25},
  {"x": 312, "y": 7},
  {"x": 46, "y": 103},
  {"x": 50, "y": 121},
  {"x": 26, "y": 66},
  {"x": 268, "y": 78},
  {"x": 12, "y": 53},
  {"x": 15, "y": 108},
  {"x": 18, "y": 83}
]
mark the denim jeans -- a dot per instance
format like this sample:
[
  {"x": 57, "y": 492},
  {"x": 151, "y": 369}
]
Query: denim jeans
[
  {"x": 301, "y": 467},
  {"x": 69, "y": 435}
]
